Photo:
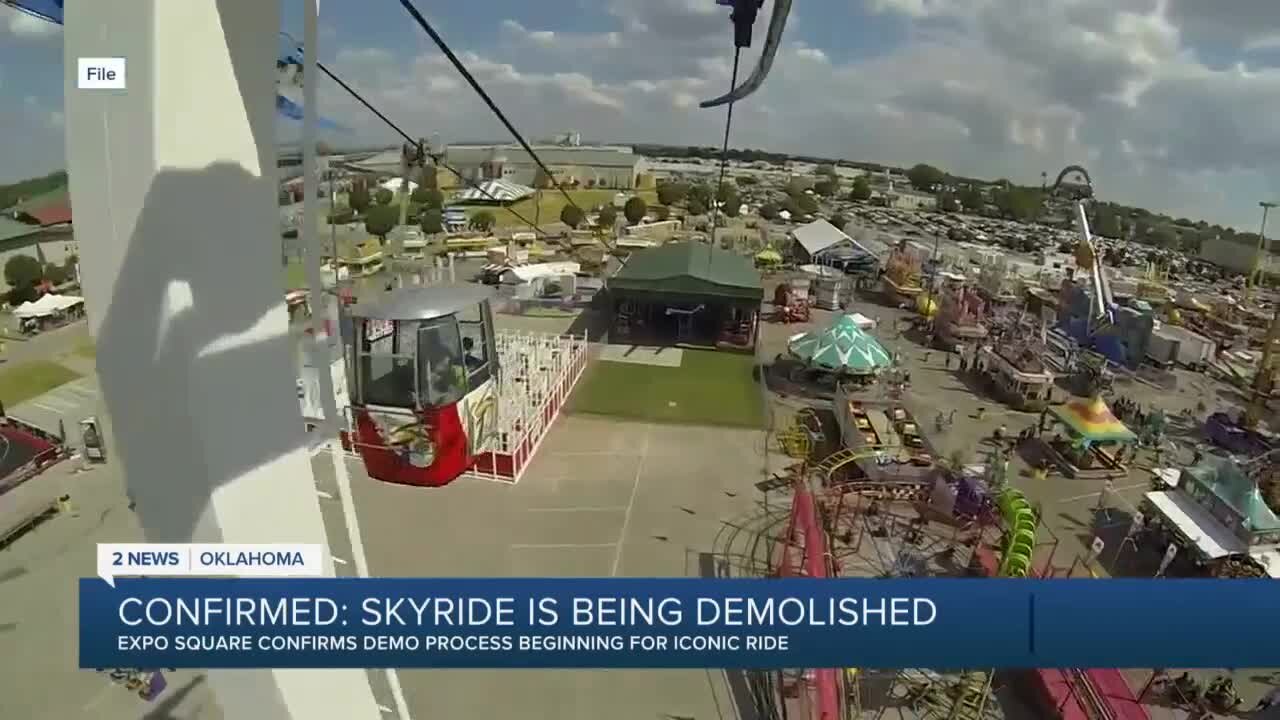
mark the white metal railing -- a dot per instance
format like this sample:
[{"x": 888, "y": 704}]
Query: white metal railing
[{"x": 539, "y": 371}]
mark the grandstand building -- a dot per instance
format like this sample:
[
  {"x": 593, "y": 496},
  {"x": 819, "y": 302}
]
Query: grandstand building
[{"x": 603, "y": 166}]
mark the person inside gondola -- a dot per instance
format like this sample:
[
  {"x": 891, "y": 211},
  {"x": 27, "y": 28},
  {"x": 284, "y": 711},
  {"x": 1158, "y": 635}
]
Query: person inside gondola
[
  {"x": 469, "y": 354},
  {"x": 448, "y": 375}
]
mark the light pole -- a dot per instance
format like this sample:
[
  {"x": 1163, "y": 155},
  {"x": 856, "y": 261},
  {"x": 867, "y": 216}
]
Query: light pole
[{"x": 1261, "y": 252}]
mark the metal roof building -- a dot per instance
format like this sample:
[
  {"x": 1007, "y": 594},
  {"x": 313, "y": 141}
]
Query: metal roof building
[
  {"x": 689, "y": 272},
  {"x": 601, "y": 166}
]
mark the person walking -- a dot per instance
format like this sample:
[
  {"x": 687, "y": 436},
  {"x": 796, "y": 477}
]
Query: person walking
[{"x": 1268, "y": 701}]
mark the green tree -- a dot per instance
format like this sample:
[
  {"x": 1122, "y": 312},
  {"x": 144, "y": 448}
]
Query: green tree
[
  {"x": 861, "y": 190},
  {"x": 432, "y": 221},
  {"x": 23, "y": 271},
  {"x": 807, "y": 204},
  {"x": 660, "y": 212},
  {"x": 700, "y": 193},
  {"x": 1163, "y": 237},
  {"x": 827, "y": 170},
  {"x": 572, "y": 216},
  {"x": 635, "y": 209},
  {"x": 696, "y": 206},
  {"x": 608, "y": 216},
  {"x": 732, "y": 208},
  {"x": 826, "y": 188},
  {"x": 483, "y": 221},
  {"x": 839, "y": 220},
  {"x": 434, "y": 199},
  {"x": 971, "y": 199},
  {"x": 429, "y": 177},
  {"x": 670, "y": 193},
  {"x": 769, "y": 211},
  {"x": 341, "y": 215},
  {"x": 380, "y": 220},
  {"x": 925, "y": 177},
  {"x": 384, "y": 196},
  {"x": 1017, "y": 203},
  {"x": 55, "y": 274},
  {"x": 419, "y": 195},
  {"x": 948, "y": 203},
  {"x": 1107, "y": 222},
  {"x": 358, "y": 198}
]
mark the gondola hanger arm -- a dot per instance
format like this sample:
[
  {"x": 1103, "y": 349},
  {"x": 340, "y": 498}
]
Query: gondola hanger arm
[{"x": 744, "y": 18}]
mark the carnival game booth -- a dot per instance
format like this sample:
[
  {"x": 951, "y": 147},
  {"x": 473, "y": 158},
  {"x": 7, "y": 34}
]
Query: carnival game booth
[
  {"x": 48, "y": 311},
  {"x": 1217, "y": 516},
  {"x": 1089, "y": 439},
  {"x": 1018, "y": 377},
  {"x": 686, "y": 293}
]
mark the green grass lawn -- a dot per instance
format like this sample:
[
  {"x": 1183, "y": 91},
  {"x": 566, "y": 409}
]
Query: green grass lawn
[
  {"x": 87, "y": 349},
  {"x": 709, "y": 388},
  {"x": 22, "y": 382}
]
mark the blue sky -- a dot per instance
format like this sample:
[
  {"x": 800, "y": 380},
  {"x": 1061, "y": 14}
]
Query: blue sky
[{"x": 1167, "y": 102}]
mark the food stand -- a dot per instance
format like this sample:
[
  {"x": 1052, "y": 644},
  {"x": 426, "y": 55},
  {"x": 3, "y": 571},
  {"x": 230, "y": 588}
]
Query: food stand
[
  {"x": 1218, "y": 515},
  {"x": 1019, "y": 379},
  {"x": 1094, "y": 436}
]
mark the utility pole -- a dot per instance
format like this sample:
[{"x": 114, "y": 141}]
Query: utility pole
[
  {"x": 1261, "y": 252},
  {"x": 1264, "y": 380}
]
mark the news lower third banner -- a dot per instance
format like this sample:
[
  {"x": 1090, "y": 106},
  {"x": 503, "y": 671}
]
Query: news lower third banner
[{"x": 676, "y": 623}]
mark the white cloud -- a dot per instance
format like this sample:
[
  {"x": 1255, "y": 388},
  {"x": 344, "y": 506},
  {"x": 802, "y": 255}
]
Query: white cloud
[{"x": 1168, "y": 102}]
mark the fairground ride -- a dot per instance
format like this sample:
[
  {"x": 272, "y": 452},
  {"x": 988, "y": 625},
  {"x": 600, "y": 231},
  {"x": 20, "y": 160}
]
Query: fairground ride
[
  {"x": 828, "y": 527},
  {"x": 1072, "y": 693},
  {"x": 1088, "y": 258}
]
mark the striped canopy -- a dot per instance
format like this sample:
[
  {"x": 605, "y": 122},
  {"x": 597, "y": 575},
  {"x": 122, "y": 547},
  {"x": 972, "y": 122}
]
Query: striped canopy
[
  {"x": 1093, "y": 421},
  {"x": 841, "y": 347}
]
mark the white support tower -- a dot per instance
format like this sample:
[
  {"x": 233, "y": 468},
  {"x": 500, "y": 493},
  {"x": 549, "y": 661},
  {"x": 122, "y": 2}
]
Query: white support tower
[{"x": 174, "y": 184}]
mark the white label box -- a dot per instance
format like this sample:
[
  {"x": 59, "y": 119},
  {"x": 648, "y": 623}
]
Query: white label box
[
  {"x": 209, "y": 560},
  {"x": 100, "y": 74}
]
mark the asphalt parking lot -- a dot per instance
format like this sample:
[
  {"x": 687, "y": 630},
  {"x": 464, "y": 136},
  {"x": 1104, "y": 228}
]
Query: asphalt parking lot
[{"x": 602, "y": 498}]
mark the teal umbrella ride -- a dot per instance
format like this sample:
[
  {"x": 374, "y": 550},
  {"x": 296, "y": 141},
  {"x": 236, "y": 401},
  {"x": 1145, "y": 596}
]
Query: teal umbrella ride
[{"x": 842, "y": 347}]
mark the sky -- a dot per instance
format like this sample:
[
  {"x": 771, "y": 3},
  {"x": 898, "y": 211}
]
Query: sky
[{"x": 1170, "y": 104}]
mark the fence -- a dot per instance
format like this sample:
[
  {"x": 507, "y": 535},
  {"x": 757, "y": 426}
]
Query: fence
[
  {"x": 539, "y": 373},
  {"x": 55, "y": 452}
]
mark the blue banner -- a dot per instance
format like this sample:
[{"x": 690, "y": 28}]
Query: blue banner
[{"x": 677, "y": 623}]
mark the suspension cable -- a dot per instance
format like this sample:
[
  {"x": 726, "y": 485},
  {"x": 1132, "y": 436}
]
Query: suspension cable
[
  {"x": 437, "y": 158},
  {"x": 475, "y": 85},
  {"x": 724, "y": 151}
]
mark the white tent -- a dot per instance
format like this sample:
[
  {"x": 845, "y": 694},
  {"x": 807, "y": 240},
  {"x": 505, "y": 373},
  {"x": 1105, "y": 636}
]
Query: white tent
[
  {"x": 47, "y": 305},
  {"x": 502, "y": 191},
  {"x": 394, "y": 185},
  {"x": 26, "y": 310}
]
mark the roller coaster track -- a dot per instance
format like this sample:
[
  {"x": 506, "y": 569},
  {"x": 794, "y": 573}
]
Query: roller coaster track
[
  {"x": 877, "y": 489},
  {"x": 1091, "y": 701}
]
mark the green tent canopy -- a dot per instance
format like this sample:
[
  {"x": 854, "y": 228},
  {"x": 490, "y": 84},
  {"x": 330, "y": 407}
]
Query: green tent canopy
[
  {"x": 689, "y": 272},
  {"x": 841, "y": 347}
]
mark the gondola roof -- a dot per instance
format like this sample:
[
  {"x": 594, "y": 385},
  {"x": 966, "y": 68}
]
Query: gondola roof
[{"x": 422, "y": 302}]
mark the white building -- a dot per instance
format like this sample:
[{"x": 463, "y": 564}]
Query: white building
[{"x": 1239, "y": 256}]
